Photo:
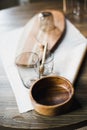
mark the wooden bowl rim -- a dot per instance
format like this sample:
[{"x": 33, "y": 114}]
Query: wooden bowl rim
[{"x": 57, "y": 105}]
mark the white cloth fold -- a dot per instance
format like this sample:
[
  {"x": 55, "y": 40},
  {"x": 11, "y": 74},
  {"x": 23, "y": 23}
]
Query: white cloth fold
[{"x": 67, "y": 60}]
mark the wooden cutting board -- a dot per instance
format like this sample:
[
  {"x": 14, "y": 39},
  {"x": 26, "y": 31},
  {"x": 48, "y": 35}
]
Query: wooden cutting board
[{"x": 28, "y": 40}]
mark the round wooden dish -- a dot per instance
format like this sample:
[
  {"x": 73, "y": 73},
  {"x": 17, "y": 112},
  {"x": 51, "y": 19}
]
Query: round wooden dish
[{"x": 51, "y": 95}]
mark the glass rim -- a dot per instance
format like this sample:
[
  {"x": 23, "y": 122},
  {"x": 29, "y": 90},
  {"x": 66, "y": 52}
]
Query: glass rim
[
  {"x": 50, "y": 56},
  {"x": 27, "y": 65}
]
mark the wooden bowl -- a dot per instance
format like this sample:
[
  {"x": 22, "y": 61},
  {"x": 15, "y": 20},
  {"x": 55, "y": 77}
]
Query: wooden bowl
[{"x": 51, "y": 95}]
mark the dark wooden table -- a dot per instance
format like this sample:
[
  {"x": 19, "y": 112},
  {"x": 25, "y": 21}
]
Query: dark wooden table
[{"x": 9, "y": 115}]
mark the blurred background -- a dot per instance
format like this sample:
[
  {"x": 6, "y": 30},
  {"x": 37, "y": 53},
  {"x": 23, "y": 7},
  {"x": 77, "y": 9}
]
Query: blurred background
[
  {"x": 8, "y": 3},
  {"x": 11, "y": 3}
]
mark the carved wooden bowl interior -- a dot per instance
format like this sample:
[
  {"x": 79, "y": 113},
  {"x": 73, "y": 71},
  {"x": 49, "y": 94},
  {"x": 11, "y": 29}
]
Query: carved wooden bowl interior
[{"x": 51, "y": 95}]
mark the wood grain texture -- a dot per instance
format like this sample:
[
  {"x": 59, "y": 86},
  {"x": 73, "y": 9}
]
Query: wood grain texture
[
  {"x": 52, "y": 95},
  {"x": 29, "y": 40},
  {"x": 9, "y": 115}
]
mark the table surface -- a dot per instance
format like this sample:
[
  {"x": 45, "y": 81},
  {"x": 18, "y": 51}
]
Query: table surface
[{"x": 16, "y": 17}]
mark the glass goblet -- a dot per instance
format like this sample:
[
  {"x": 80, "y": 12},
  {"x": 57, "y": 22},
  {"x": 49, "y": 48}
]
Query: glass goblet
[{"x": 28, "y": 65}]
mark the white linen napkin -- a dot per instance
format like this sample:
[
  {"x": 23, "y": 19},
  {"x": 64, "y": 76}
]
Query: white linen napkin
[{"x": 67, "y": 60}]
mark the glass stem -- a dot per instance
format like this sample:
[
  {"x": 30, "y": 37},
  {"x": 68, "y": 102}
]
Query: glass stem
[{"x": 64, "y": 6}]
